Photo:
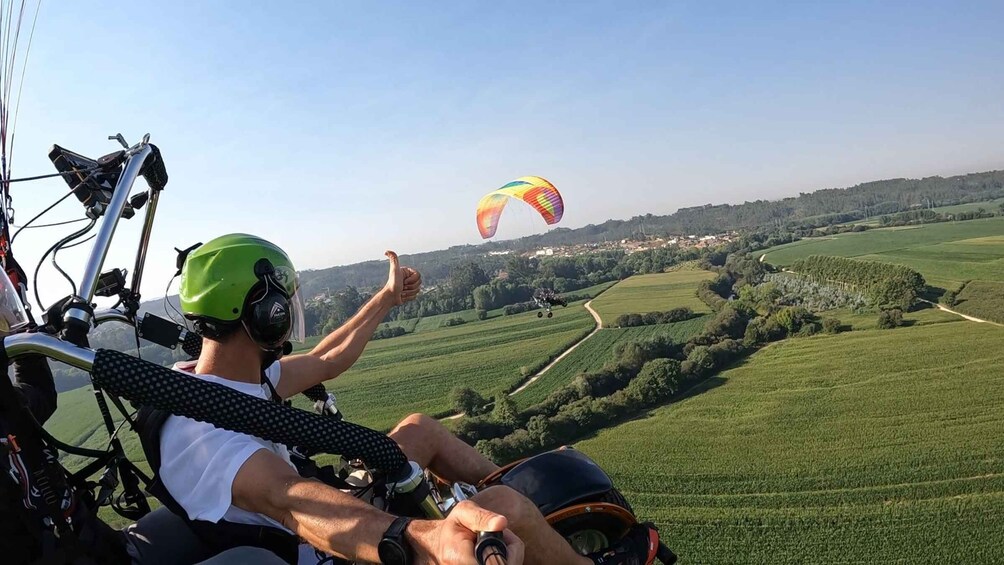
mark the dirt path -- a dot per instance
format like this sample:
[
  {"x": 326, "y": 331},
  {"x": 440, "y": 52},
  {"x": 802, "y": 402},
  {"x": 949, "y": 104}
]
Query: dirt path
[
  {"x": 966, "y": 316},
  {"x": 540, "y": 373},
  {"x": 599, "y": 326}
]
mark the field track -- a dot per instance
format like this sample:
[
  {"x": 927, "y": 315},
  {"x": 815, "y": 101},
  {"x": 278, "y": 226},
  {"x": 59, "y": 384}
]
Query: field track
[
  {"x": 599, "y": 326},
  {"x": 532, "y": 379},
  {"x": 966, "y": 316}
]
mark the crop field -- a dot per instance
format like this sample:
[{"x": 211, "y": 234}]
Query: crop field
[
  {"x": 946, "y": 253},
  {"x": 416, "y": 372},
  {"x": 598, "y": 351},
  {"x": 866, "y": 447},
  {"x": 652, "y": 293},
  {"x": 983, "y": 299},
  {"x": 868, "y": 320}
]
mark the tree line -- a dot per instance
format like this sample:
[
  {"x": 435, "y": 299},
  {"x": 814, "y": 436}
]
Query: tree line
[{"x": 885, "y": 285}]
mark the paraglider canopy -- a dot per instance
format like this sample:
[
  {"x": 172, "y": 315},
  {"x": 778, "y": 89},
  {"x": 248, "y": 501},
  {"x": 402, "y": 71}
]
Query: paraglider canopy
[{"x": 535, "y": 191}]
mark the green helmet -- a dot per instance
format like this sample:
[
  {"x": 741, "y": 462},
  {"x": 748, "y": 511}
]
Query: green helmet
[{"x": 218, "y": 277}]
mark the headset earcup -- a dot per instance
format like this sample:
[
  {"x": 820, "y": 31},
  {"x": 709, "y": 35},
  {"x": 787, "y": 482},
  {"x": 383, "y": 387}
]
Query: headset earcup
[{"x": 269, "y": 320}]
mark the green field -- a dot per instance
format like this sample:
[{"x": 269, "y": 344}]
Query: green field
[
  {"x": 599, "y": 350},
  {"x": 983, "y": 299},
  {"x": 416, "y": 372},
  {"x": 868, "y": 320},
  {"x": 946, "y": 253},
  {"x": 866, "y": 447},
  {"x": 651, "y": 293}
]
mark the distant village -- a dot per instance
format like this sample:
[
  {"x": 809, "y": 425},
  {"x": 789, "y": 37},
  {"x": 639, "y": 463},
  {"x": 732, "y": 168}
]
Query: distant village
[{"x": 630, "y": 245}]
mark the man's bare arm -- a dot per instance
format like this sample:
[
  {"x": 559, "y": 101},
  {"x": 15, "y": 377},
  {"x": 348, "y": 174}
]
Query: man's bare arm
[
  {"x": 340, "y": 524},
  {"x": 340, "y": 349}
]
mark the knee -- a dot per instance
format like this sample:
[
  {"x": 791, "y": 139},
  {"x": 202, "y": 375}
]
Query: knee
[
  {"x": 517, "y": 509},
  {"x": 418, "y": 421}
]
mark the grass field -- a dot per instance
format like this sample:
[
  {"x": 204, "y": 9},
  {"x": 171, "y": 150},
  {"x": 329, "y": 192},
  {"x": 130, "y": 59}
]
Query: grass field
[
  {"x": 946, "y": 253},
  {"x": 651, "y": 293},
  {"x": 415, "y": 373},
  {"x": 868, "y": 320},
  {"x": 983, "y": 299},
  {"x": 599, "y": 350},
  {"x": 866, "y": 447}
]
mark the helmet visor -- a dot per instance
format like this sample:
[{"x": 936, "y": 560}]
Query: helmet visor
[
  {"x": 296, "y": 318},
  {"x": 287, "y": 278},
  {"x": 12, "y": 314}
]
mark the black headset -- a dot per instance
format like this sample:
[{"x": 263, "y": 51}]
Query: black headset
[{"x": 267, "y": 316}]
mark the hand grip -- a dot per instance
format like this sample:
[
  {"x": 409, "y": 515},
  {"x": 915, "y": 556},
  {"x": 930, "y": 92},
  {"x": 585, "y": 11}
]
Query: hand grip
[
  {"x": 154, "y": 170},
  {"x": 491, "y": 549}
]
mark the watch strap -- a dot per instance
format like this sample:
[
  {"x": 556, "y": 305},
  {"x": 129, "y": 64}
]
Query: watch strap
[{"x": 396, "y": 529}]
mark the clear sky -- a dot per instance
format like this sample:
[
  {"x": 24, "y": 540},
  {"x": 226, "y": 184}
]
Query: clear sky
[{"x": 339, "y": 129}]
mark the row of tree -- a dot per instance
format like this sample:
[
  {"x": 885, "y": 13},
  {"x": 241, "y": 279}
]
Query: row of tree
[
  {"x": 653, "y": 318},
  {"x": 885, "y": 285}
]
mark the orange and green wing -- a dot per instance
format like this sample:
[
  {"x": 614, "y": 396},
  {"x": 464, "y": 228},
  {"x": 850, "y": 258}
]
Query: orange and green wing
[{"x": 535, "y": 191}]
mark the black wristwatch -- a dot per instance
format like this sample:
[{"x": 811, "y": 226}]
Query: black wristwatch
[{"x": 393, "y": 548}]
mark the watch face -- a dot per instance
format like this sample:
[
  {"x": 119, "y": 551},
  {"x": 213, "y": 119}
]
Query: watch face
[{"x": 391, "y": 552}]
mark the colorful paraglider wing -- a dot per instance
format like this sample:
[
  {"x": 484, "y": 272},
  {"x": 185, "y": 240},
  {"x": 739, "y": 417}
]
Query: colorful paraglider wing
[{"x": 535, "y": 191}]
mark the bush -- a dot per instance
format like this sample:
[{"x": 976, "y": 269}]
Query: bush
[
  {"x": 505, "y": 412},
  {"x": 832, "y": 326},
  {"x": 473, "y": 429},
  {"x": 950, "y": 298},
  {"x": 811, "y": 328},
  {"x": 518, "y": 308},
  {"x": 889, "y": 319},
  {"x": 658, "y": 380},
  {"x": 388, "y": 332},
  {"x": 653, "y": 318},
  {"x": 763, "y": 330},
  {"x": 727, "y": 322},
  {"x": 467, "y": 400},
  {"x": 482, "y": 314},
  {"x": 699, "y": 361},
  {"x": 450, "y": 322},
  {"x": 792, "y": 318}
]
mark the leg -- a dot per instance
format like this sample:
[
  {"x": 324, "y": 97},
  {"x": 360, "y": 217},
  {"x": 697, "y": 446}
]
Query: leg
[
  {"x": 427, "y": 442},
  {"x": 543, "y": 544},
  {"x": 161, "y": 538}
]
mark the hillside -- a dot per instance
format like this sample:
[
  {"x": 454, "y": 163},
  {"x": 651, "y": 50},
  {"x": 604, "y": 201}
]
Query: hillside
[
  {"x": 861, "y": 447},
  {"x": 860, "y": 201}
]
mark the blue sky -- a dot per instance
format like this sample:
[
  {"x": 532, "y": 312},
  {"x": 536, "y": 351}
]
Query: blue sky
[{"x": 339, "y": 129}]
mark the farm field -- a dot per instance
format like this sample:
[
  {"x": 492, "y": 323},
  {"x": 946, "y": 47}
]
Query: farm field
[
  {"x": 652, "y": 293},
  {"x": 945, "y": 253},
  {"x": 427, "y": 323},
  {"x": 416, "y": 372},
  {"x": 983, "y": 299},
  {"x": 868, "y": 320},
  {"x": 599, "y": 350},
  {"x": 865, "y": 447}
]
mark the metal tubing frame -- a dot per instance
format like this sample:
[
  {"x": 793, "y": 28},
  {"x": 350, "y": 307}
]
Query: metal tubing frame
[
  {"x": 52, "y": 347},
  {"x": 102, "y": 242},
  {"x": 144, "y": 240},
  {"x": 111, "y": 315}
]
